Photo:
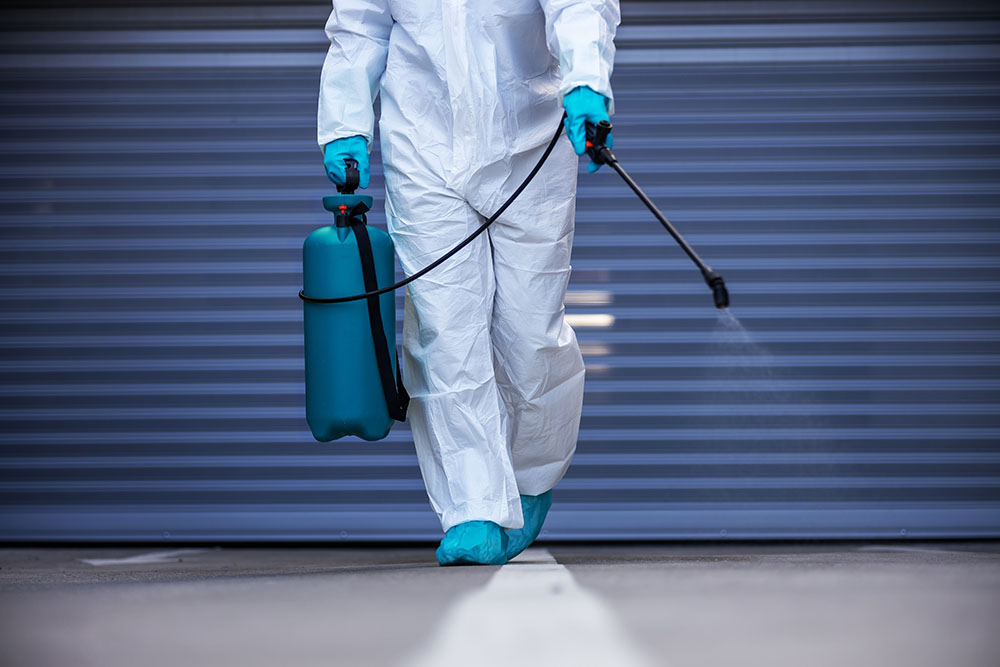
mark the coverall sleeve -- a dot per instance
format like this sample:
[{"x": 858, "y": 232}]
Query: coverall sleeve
[
  {"x": 581, "y": 33},
  {"x": 359, "y": 45}
]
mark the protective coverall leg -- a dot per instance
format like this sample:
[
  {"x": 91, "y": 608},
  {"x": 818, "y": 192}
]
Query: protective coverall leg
[
  {"x": 494, "y": 372},
  {"x": 537, "y": 360}
]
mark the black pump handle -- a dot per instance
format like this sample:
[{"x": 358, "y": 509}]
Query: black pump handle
[{"x": 353, "y": 178}]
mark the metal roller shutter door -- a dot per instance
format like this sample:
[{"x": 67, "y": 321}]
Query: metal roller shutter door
[{"x": 837, "y": 161}]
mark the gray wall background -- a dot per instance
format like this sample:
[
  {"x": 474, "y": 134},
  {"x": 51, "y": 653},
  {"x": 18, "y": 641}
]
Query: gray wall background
[{"x": 836, "y": 160}]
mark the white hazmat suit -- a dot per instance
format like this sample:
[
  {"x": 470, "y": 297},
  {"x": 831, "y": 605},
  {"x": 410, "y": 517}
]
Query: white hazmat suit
[{"x": 470, "y": 96}]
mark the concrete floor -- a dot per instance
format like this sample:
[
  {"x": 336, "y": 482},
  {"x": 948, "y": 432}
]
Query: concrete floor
[{"x": 813, "y": 604}]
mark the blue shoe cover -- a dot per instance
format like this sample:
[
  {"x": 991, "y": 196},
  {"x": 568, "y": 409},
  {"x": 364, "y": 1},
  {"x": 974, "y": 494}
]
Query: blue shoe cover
[
  {"x": 534, "y": 509},
  {"x": 473, "y": 543}
]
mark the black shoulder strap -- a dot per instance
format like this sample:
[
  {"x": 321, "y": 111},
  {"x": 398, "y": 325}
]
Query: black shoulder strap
[{"x": 396, "y": 398}]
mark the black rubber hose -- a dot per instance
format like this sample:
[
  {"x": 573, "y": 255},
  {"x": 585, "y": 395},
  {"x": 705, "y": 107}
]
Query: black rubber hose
[{"x": 443, "y": 258}]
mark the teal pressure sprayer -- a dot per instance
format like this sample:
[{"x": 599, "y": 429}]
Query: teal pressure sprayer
[{"x": 353, "y": 383}]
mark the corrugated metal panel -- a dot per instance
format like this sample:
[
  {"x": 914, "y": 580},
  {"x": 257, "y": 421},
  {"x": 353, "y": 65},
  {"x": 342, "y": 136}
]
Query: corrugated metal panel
[{"x": 837, "y": 161}]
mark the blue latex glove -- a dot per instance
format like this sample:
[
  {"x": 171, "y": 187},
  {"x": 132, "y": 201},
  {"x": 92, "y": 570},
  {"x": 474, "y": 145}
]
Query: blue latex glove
[
  {"x": 354, "y": 148},
  {"x": 473, "y": 543},
  {"x": 583, "y": 105},
  {"x": 534, "y": 509}
]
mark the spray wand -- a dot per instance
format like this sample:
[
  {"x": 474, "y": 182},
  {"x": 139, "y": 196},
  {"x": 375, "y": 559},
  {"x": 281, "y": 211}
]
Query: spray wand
[{"x": 599, "y": 152}]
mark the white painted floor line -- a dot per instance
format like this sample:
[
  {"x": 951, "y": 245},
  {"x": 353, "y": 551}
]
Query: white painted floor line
[
  {"x": 152, "y": 557},
  {"x": 532, "y": 612}
]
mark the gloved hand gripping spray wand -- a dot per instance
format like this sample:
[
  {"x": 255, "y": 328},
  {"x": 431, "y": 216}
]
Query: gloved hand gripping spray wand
[{"x": 598, "y": 151}]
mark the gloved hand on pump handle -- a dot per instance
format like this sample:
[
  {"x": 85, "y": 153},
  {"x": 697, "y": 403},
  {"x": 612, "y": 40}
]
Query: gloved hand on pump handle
[{"x": 349, "y": 148}]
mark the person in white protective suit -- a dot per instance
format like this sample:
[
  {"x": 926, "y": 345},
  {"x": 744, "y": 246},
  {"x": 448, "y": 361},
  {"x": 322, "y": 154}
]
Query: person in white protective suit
[{"x": 471, "y": 93}]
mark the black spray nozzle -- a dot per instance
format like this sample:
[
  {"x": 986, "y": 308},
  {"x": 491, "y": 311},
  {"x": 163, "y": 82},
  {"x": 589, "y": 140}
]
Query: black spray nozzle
[
  {"x": 597, "y": 137},
  {"x": 718, "y": 286},
  {"x": 353, "y": 178}
]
